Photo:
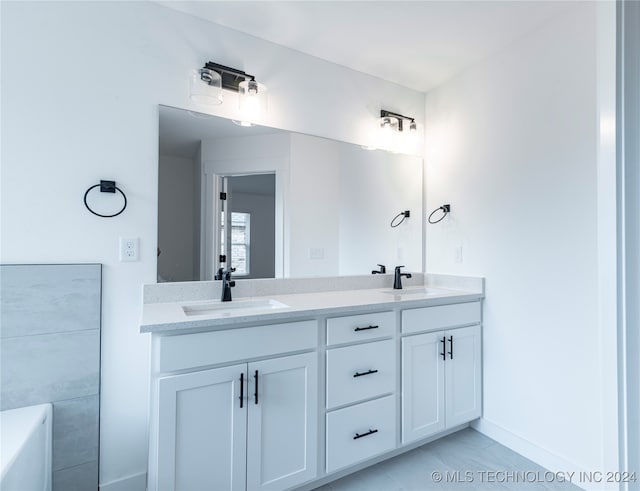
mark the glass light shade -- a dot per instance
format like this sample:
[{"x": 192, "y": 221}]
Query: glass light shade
[
  {"x": 252, "y": 100},
  {"x": 205, "y": 87},
  {"x": 387, "y": 133}
]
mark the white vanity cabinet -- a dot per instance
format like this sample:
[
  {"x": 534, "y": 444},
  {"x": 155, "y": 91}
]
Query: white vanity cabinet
[
  {"x": 293, "y": 404},
  {"x": 362, "y": 377},
  {"x": 251, "y": 425},
  {"x": 441, "y": 369}
]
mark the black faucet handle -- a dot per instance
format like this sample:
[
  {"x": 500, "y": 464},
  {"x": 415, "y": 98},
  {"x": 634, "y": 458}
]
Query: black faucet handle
[
  {"x": 383, "y": 268},
  {"x": 218, "y": 275},
  {"x": 232, "y": 283},
  {"x": 398, "y": 267}
]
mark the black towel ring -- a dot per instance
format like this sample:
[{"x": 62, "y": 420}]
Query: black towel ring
[
  {"x": 404, "y": 215},
  {"x": 445, "y": 210},
  {"x": 106, "y": 187}
]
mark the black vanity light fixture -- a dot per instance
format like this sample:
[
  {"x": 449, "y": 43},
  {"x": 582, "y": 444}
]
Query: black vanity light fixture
[
  {"x": 397, "y": 122},
  {"x": 396, "y": 132},
  {"x": 208, "y": 82}
]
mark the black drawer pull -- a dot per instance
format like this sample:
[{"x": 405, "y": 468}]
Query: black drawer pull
[
  {"x": 365, "y": 328},
  {"x": 241, "y": 388},
  {"x": 444, "y": 347},
  {"x": 370, "y": 432},
  {"x": 358, "y": 374},
  {"x": 451, "y": 351}
]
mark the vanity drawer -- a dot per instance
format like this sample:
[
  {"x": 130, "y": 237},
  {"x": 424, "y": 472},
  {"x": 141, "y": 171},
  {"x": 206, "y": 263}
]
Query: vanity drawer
[
  {"x": 358, "y": 432},
  {"x": 440, "y": 317},
  {"x": 186, "y": 351},
  {"x": 359, "y": 372},
  {"x": 360, "y": 327}
]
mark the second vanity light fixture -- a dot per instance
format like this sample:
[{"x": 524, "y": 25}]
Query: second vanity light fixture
[
  {"x": 396, "y": 132},
  {"x": 208, "y": 82}
]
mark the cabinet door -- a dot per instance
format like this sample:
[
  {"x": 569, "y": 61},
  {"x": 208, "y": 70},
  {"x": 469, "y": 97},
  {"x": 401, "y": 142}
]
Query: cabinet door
[
  {"x": 202, "y": 431},
  {"x": 422, "y": 386},
  {"x": 463, "y": 376},
  {"x": 283, "y": 422}
]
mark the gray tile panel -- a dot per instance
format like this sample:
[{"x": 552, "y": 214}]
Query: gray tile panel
[
  {"x": 40, "y": 299},
  {"x": 49, "y": 367},
  {"x": 75, "y": 432},
  {"x": 50, "y": 352},
  {"x": 79, "y": 478}
]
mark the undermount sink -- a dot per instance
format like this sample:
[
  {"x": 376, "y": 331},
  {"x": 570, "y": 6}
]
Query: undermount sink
[
  {"x": 416, "y": 291},
  {"x": 228, "y": 308}
]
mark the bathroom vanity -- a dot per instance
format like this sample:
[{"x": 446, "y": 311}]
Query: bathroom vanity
[{"x": 281, "y": 390}]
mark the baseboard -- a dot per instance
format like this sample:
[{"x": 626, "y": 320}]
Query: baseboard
[
  {"x": 539, "y": 455},
  {"x": 137, "y": 482}
]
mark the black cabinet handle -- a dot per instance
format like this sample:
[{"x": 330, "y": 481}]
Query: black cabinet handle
[
  {"x": 358, "y": 374},
  {"x": 451, "y": 350},
  {"x": 241, "y": 389},
  {"x": 370, "y": 432},
  {"x": 365, "y": 328},
  {"x": 444, "y": 347},
  {"x": 255, "y": 394}
]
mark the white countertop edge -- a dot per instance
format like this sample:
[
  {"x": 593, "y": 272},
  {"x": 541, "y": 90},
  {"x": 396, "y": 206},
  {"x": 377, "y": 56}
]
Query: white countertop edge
[{"x": 177, "y": 321}]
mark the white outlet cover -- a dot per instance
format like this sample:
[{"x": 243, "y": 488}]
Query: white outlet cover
[
  {"x": 316, "y": 253},
  {"x": 129, "y": 249}
]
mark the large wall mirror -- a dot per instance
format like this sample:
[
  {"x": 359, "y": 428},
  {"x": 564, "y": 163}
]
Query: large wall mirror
[{"x": 279, "y": 204}]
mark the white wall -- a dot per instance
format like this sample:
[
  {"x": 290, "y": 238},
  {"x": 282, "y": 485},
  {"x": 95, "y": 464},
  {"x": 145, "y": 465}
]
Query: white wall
[
  {"x": 314, "y": 177},
  {"x": 512, "y": 145},
  {"x": 108, "y": 65},
  {"x": 178, "y": 229}
]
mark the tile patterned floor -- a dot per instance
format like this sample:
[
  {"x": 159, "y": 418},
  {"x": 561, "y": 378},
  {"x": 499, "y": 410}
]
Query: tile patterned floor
[{"x": 482, "y": 464}]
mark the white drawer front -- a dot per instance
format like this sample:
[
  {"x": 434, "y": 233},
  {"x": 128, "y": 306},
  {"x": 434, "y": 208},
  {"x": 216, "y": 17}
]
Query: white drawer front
[
  {"x": 359, "y": 372},
  {"x": 208, "y": 348},
  {"x": 378, "y": 418},
  {"x": 360, "y": 327},
  {"x": 440, "y": 317}
]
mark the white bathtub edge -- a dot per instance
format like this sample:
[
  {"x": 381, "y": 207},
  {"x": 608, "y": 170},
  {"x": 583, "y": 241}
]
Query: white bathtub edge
[{"x": 15, "y": 427}]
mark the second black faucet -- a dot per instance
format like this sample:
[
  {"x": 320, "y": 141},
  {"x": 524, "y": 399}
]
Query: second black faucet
[
  {"x": 227, "y": 284},
  {"x": 397, "y": 278}
]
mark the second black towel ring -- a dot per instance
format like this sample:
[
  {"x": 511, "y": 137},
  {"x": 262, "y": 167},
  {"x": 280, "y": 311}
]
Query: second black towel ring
[{"x": 445, "y": 210}]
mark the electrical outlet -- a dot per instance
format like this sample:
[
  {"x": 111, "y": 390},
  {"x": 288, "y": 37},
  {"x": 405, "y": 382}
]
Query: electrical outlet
[
  {"x": 458, "y": 253},
  {"x": 129, "y": 249},
  {"x": 316, "y": 253}
]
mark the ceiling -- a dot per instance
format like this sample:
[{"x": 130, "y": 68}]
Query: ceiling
[{"x": 417, "y": 44}]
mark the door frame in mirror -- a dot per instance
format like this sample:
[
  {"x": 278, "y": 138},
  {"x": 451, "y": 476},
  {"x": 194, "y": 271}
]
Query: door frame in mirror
[{"x": 212, "y": 172}]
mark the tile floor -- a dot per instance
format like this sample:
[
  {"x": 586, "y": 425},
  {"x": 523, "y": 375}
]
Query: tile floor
[{"x": 482, "y": 463}]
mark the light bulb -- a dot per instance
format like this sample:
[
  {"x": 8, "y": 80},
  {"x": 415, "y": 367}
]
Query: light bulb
[
  {"x": 388, "y": 129},
  {"x": 252, "y": 100}
]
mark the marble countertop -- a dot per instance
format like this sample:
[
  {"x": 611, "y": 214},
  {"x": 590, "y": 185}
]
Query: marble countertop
[{"x": 171, "y": 317}]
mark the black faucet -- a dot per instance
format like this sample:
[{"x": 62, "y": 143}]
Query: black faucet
[
  {"x": 227, "y": 284},
  {"x": 382, "y": 270},
  {"x": 397, "y": 279}
]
